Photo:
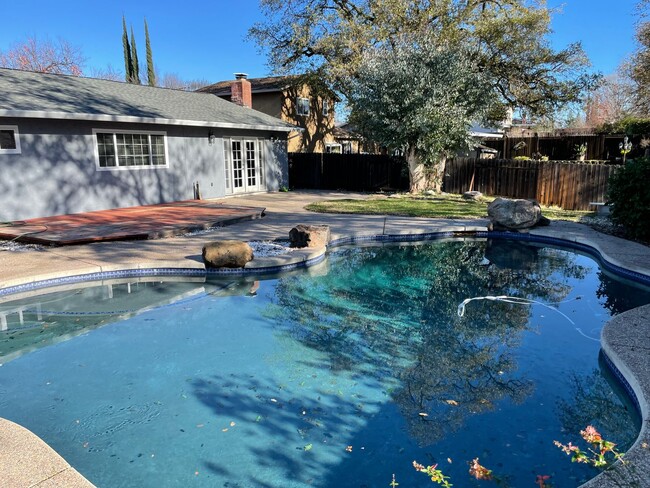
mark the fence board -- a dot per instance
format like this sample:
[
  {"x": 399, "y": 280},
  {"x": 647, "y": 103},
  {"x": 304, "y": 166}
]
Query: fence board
[
  {"x": 568, "y": 184},
  {"x": 352, "y": 172}
]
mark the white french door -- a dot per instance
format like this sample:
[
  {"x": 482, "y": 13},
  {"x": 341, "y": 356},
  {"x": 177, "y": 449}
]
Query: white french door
[{"x": 244, "y": 165}]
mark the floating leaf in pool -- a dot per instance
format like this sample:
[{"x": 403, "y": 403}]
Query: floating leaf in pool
[
  {"x": 451, "y": 402},
  {"x": 232, "y": 424},
  {"x": 348, "y": 449},
  {"x": 423, "y": 414},
  {"x": 308, "y": 447},
  {"x": 224, "y": 430},
  {"x": 258, "y": 418}
]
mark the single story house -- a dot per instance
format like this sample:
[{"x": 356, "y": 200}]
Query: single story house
[{"x": 70, "y": 144}]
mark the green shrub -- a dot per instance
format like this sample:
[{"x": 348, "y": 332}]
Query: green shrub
[
  {"x": 630, "y": 198},
  {"x": 627, "y": 125},
  {"x": 521, "y": 158}
]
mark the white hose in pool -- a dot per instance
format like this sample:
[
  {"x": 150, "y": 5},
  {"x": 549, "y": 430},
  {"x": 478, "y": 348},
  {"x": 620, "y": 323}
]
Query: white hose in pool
[{"x": 523, "y": 301}]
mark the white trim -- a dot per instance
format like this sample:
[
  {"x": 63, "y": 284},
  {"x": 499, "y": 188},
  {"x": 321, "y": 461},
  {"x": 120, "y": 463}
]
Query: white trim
[
  {"x": 334, "y": 145},
  {"x": 260, "y": 176},
  {"x": 39, "y": 114},
  {"x": 16, "y": 139},
  {"x": 128, "y": 168}
]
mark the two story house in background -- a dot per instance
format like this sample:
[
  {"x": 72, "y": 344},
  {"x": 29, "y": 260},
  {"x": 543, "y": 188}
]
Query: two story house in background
[{"x": 291, "y": 99}]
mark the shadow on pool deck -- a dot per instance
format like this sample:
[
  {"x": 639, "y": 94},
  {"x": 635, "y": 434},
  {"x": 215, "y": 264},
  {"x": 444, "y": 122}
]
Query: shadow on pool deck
[{"x": 131, "y": 223}]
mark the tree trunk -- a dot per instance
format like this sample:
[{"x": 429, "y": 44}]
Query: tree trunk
[
  {"x": 422, "y": 177},
  {"x": 417, "y": 172},
  {"x": 437, "y": 174}
]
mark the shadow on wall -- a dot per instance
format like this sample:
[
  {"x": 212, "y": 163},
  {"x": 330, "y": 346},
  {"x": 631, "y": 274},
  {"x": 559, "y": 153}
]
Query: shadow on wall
[
  {"x": 57, "y": 174},
  {"x": 317, "y": 125},
  {"x": 278, "y": 174}
]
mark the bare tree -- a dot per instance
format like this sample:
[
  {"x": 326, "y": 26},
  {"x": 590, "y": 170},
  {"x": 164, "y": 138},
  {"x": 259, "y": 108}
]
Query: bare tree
[
  {"x": 640, "y": 65},
  {"x": 44, "y": 56},
  {"x": 612, "y": 101},
  {"x": 108, "y": 73},
  {"x": 172, "y": 80}
]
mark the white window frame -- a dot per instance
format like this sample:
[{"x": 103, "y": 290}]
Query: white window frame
[
  {"x": 13, "y": 128},
  {"x": 330, "y": 145},
  {"x": 298, "y": 111},
  {"x": 129, "y": 168}
]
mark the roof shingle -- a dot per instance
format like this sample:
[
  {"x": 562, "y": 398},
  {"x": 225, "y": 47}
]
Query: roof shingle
[
  {"x": 29, "y": 94},
  {"x": 271, "y": 83}
]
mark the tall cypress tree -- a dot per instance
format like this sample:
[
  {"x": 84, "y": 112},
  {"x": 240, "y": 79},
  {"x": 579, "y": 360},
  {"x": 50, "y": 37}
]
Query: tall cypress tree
[
  {"x": 151, "y": 74},
  {"x": 128, "y": 61},
  {"x": 134, "y": 60}
]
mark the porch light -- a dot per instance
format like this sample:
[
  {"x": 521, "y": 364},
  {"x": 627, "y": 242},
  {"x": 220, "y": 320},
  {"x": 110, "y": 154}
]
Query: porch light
[
  {"x": 625, "y": 147},
  {"x": 211, "y": 137}
]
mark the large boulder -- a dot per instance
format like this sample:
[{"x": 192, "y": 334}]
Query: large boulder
[
  {"x": 516, "y": 214},
  {"x": 227, "y": 254},
  {"x": 315, "y": 236}
]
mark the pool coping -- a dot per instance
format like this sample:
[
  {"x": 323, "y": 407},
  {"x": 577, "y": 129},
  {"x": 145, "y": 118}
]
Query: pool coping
[{"x": 626, "y": 353}]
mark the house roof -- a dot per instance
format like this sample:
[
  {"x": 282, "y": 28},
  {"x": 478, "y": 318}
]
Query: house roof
[
  {"x": 485, "y": 132},
  {"x": 39, "y": 95},
  {"x": 345, "y": 132},
  {"x": 258, "y": 85}
]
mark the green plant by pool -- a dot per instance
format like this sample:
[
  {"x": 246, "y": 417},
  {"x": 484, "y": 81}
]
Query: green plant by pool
[{"x": 340, "y": 375}]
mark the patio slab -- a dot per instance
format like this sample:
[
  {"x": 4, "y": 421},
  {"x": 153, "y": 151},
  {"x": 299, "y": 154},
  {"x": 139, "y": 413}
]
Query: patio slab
[{"x": 131, "y": 223}]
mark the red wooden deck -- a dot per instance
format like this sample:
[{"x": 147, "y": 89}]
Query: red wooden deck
[{"x": 130, "y": 223}]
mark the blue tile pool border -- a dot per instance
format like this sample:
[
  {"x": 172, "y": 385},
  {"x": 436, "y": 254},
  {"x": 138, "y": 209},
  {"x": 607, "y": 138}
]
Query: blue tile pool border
[
  {"x": 203, "y": 272},
  {"x": 622, "y": 381}
]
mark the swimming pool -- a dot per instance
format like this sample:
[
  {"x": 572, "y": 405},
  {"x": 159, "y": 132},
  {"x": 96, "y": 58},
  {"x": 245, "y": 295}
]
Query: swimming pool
[{"x": 339, "y": 376}]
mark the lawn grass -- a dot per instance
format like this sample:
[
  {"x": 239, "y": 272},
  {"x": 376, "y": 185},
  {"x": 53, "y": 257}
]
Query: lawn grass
[{"x": 444, "y": 205}]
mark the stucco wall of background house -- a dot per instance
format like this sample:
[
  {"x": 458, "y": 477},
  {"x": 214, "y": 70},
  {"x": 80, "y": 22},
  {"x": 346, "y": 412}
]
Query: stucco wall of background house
[
  {"x": 318, "y": 127},
  {"x": 56, "y": 171},
  {"x": 269, "y": 103}
]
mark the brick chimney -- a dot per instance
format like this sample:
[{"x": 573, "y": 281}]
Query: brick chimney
[{"x": 240, "y": 91}]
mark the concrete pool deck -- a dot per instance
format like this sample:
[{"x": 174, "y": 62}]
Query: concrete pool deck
[{"x": 27, "y": 461}]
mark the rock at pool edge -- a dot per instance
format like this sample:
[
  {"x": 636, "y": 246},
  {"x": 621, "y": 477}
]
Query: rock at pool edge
[{"x": 226, "y": 254}]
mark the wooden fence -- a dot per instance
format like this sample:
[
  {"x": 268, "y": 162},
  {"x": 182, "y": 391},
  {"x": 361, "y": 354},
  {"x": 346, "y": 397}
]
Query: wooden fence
[
  {"x": 567, "y": 184},
  {"x": 352, "y": 172},
  {"x": 562, "y": 147}
]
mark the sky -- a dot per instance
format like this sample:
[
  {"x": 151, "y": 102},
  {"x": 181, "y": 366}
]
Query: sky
[{"x": 207, "y": 40}]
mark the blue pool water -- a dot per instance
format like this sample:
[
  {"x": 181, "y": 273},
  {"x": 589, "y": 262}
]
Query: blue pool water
[{"x": 320, "y": 378}]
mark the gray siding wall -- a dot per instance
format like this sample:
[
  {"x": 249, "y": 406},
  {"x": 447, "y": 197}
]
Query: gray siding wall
[{"x": 56, "y": 172}]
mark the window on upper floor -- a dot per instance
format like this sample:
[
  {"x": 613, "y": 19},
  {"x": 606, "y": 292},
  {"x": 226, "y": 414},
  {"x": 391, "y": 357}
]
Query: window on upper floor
[
  {"x": 9, "y": 141},
  {"x": 302, "y": 106},
  {"x": 332, "y": 147},
  {"x": 131, "y": 150},
  {"x": 326, "y": 108}
]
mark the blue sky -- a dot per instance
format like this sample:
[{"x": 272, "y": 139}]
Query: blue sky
[{"x": 206, "y": 40}]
